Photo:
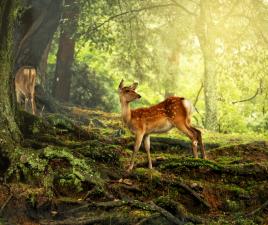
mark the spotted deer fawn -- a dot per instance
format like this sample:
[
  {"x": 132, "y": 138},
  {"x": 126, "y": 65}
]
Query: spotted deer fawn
[
  {"x": 25, "y": 86},
  {"x": 160, "y": 118}
]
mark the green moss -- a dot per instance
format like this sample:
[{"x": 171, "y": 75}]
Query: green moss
[
  {"x": 170, "y": 205},
  {"x": 233, "y": 188},
  {"x": 34, "y": 166},
  {"x": 60, "y": 121},
  {"x": 240, "y": 220},
  {"x": 227, "y": 160},
  {"x": 80, "y": 168},
  {"x": 30, "y": 124},
  {"x": 27, "y": 161},
  {"x": 101, "y": 152},
  {"x": 190, "y": 163},
  {"x": 151, "y": 174},
  {"x": 231, "y": 206}
]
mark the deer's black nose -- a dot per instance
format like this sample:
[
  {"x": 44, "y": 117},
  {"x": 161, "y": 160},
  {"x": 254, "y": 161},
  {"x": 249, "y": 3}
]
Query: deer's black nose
[{"x": 139, "y": 96}]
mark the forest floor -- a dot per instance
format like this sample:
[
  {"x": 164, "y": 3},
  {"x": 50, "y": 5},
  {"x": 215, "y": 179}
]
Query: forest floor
[{"x": 71, "y": 169}]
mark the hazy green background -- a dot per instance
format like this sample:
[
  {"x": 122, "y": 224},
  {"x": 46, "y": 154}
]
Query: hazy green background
[{"x": 174, "y": 47}]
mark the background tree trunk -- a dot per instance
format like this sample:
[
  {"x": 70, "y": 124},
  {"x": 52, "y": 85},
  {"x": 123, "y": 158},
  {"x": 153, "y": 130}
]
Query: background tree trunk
[
  {"x": 9, "y": 131},
  {"x": 38, "y": 24},
  {"x": 210, "y": 89},
  {"x": 65, "y": 55},
  {"x": 206, "y": 36},
  {"x": 43, "y": 65}
]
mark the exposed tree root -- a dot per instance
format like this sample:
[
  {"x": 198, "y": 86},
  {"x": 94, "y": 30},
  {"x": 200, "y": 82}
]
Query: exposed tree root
[
  {"x": 5, "y": 203},
  {"x": 113, "y": 204},
  {"x": 192, "y": 192},
  {"x": 148, "y": 219},
  {"x": 261, "y": 208},
  {"x": 166, "y": 214},
  {"x": 104, "y": 219}
]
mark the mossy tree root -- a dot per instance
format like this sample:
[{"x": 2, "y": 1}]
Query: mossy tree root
[
  {"x": 259, "y": 209},
  {"x": 151, "y": 206}
]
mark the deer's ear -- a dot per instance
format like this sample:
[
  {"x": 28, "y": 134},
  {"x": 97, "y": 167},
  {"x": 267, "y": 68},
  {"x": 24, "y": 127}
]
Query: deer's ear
[
  {"x": 134, "y": 85},
  {"x": 121, "y": 85}
]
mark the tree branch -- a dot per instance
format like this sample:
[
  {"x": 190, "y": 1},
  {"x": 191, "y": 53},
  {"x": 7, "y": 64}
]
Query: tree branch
[
  {"x": 195, "y": 102},
  {"x": 250, "y": 98},
  {"x": 5, "y": 203},
  {"x": 198, "y": 94},
  {"x": 139, "y": 10},
  {"x": 183, "y": 8},
  {"x": 225, "y": 17},
  {"x": 247, "y": 99}
]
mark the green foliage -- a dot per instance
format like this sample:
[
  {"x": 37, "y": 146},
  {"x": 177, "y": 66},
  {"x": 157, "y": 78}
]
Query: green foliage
[
  {"x": 91, "y": 89},
  {"x": 158, "y": 44}
]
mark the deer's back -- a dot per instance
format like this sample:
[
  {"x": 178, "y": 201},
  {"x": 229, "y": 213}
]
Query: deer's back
[
  {"x": 167, "y": 108},
  {"x": 25, "y": 80},
  {"x": 159, "y": 118}
]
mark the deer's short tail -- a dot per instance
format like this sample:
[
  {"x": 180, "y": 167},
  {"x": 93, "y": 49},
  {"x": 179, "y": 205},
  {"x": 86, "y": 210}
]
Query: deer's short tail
[{"x": 188, "y": 108}]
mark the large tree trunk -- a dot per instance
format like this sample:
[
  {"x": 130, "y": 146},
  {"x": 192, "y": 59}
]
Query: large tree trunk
[
  {"x": 206, "y": 36},
  {"x": 43, "y": 65},
  {"x": 38, "y": 24},
  {"x": 9, "y": 131},
  {"x": 210, "y": 89},
  {"x": 65, "y": 55},
  {"x": 34, "y": 33}
]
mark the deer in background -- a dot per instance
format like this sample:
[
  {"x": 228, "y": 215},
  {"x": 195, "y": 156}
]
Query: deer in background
[
  {"x": 160, "y": 118},
  {"x": 25, "y": 86}
]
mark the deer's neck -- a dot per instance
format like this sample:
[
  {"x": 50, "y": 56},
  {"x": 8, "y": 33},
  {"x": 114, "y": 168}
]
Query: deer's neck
[{"x": 125, "y": 112}]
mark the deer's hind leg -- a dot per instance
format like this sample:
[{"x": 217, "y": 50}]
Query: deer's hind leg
[
  {"x": 200, "y": 142},
  {"x": 183, "y": 126},
  {"x": 147, "y": 148},
  {"x": 19, "y": 97},
  {"x": 33, "y": 103},
  {"x": 26, "y": 103}
]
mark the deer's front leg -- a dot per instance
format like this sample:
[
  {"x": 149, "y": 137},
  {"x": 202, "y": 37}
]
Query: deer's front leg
[
  {"x": 33, "y": 104},
  {"x": 147, "y": 148},
  {"x": 137, "y": 145},
  {"x": 26, "y": 103}
]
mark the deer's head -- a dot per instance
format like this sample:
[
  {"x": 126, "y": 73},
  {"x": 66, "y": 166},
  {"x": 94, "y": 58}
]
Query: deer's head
[{"x": 128, "y": 94}]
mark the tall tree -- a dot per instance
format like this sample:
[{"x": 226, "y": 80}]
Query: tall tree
[
  {"x": 9, "y": 130},
  {"x": 206, "y": 35},
  {"x": 65, "y": 55},
  {"x": 39, "y": 21}
]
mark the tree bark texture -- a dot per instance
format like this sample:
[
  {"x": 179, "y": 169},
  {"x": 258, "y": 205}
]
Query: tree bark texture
[
  {"x": 9, "y": 131},
  {"x": 43, "y": 65},
  {"x": 39, "y": 21},
  {"x": 206, "y": 36},
  {"x": 65, "y": 55}
]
